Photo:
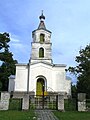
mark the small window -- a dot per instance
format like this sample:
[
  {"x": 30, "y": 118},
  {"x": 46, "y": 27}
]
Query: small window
[
  {"x": 41, "y": 52},
  {"x": 42, "y": 37}
]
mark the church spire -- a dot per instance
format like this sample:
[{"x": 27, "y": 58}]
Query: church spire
[{"x": 42, "y": 18}]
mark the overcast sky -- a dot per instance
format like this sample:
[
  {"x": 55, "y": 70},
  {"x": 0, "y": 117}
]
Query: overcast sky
[{"x": 68, "y": 20}]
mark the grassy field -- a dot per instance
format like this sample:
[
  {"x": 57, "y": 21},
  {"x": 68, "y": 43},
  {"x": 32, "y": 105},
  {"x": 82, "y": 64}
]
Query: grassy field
[
  {"x": 28, "y": 115},
  {"x": 72, "y": 115},
  {"x": 16, "y": 115}
]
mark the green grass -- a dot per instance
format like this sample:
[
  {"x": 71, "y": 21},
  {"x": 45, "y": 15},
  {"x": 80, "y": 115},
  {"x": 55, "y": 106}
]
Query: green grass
[
  {"x": 72, "y": 115},
  {"x": 16, "y": 115}
]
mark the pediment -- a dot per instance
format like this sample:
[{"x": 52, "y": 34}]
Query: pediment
[{"x": 42, "y": 64}]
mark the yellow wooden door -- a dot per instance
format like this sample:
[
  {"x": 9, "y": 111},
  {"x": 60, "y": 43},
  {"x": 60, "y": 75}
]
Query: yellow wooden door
[{"x": 39, "y": 87}]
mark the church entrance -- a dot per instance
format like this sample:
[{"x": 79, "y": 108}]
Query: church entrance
[
  {"x": 40, "y": 86},
  {"x": 42, "y": 99}
]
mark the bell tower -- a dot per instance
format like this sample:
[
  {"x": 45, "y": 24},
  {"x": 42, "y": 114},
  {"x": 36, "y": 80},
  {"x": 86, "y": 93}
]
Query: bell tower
[{"x": 41, "y": 47}]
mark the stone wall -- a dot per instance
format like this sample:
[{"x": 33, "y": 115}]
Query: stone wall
[
  {"x": 4, "y": 102},
  {"x": 25, "y": 103},
  {"x": 5, "y": 96},
  {"x": 81, "y": 102},
  {"x": 61, "y": 102}
]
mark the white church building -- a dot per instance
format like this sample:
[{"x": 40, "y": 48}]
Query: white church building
[{"x": 40, "y": 73}]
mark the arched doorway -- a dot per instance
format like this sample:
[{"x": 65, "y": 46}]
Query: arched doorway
[{"x": 41, "y": 86}]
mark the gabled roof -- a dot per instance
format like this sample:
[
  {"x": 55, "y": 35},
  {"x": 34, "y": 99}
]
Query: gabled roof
[
  {"x": 43, "y": 62},
  {"x": 12, "y": 77}
]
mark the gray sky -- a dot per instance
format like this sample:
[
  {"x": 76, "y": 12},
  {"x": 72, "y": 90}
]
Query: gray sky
[{"x": 68, "y": 20}]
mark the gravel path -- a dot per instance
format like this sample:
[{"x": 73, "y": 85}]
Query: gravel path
[{"x": 45, "y": 115}]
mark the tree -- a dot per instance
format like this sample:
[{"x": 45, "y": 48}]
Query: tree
[
  {"x": 7, "y": 62},
  {"x": 82, "y": 70},
  {"x": 74, "y": 91}
]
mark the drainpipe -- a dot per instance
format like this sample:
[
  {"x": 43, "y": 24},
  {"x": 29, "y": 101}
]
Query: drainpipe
[{"x": 28, "y": 67}]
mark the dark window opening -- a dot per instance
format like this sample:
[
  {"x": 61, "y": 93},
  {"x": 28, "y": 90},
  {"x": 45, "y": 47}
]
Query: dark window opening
[
  {"x": 41, "y": 52},
  {"x": 42, "y": 38}
]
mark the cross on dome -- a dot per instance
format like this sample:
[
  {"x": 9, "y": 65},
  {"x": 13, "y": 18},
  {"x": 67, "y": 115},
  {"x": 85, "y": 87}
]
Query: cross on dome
[{"x": 42, "y": 16}]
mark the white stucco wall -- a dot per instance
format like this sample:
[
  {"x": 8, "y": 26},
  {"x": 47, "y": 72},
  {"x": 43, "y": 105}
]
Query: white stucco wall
[
  {"x": 39, "y": 70},
  {"x": 54, "y": 76},
  {"x": 58, "y": 77},
  {"x": 67, "y": 86},
  {"x": 21, "y": 77}
]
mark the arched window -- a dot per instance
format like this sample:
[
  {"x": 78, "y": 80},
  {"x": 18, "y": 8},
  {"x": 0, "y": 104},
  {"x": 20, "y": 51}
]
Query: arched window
[
  {"x": 41, "y": 52},
  {"x": 42, "y": 37}
]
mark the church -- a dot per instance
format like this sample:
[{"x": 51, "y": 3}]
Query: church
[{"x": 40, "y": 74}]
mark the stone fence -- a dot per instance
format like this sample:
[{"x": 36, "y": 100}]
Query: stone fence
[
  {"x": 81, "y": 102},
  {"x": 4, "y": 102},
  {"x": 5, "y": 97}
]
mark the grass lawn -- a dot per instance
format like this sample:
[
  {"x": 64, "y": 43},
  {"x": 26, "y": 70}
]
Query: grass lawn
[
  {"x": 16, "y": 115},
  {"x": 72, "y": 115}
]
